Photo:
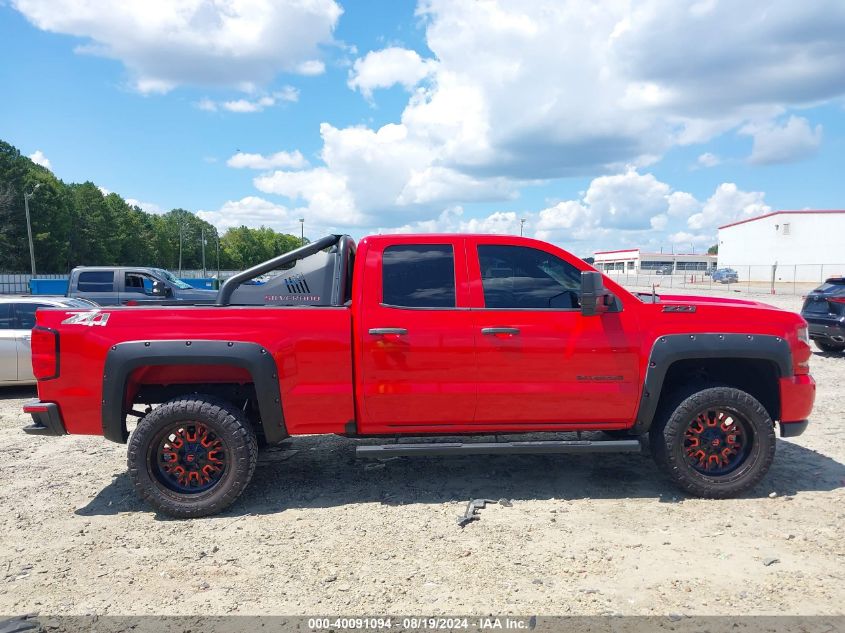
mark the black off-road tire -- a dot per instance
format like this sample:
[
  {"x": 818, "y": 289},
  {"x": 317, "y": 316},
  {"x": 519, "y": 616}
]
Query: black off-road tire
[
  {"x": 827, "y": 346},
  {"x": 222, "y": 419},
  {"x": 667, "y": 442}
]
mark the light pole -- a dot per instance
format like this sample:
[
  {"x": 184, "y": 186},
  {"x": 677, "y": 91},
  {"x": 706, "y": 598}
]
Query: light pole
[
  {"x": 202, "y": 237},
  {"x": 521, "y": 225},
  {"x": 302, "y": 231},
  {"x": 181, "y": 231},
  {"x": 218, "y": 258},
  {"x": 26, "y": 197}
]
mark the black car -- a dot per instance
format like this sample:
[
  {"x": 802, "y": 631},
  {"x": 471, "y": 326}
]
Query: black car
[{"x": 824, "y": 310}]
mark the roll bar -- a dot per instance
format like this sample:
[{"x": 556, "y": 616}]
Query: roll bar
[{"x": 233, "y": 282}]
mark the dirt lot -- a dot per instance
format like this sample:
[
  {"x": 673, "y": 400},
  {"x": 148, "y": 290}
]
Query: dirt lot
[{"x": 318, "y": 532}]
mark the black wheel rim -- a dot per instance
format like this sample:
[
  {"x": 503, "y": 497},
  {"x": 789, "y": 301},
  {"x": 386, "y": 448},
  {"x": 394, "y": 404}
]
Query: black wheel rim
[
  {"x": 717, "y": 442},
  {"x": 188, "y": 458}
]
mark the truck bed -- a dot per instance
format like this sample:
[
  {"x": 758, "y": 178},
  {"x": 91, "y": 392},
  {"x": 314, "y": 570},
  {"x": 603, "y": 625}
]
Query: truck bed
[{"x": 311, "y": 346}]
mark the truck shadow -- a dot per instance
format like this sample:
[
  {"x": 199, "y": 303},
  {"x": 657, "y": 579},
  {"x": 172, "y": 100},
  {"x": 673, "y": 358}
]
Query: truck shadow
[
  {"x": 319, "y": 472},
  {"x": 18, "y": 392}
]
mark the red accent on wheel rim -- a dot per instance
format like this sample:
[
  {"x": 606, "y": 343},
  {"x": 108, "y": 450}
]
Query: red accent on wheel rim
[
  {"x": 190, "y": 458},
  {"x": 715, "y": 442}
]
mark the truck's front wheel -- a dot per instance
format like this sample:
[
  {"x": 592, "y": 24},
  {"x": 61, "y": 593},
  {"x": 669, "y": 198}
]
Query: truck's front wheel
[
  {"x": 718, "y": 442},
  {"x": 192, "y": 457}
]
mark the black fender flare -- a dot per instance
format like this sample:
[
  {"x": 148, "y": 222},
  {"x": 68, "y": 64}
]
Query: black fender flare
[
  {"x": 123, "y": 358},
  {"x": 671, "y": 348}
]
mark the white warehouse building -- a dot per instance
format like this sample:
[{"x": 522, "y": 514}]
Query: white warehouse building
[
  {"x": 785, "y": 246},
  {"x": 634, "y": 261}
]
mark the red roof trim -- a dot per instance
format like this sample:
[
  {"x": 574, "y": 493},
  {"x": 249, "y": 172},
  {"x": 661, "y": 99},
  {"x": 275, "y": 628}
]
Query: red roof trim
[
  {"x": 622, "y": 250},
  {"x": 768, "y": 215}
]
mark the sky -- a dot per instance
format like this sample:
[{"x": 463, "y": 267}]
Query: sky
[{"x": 596, "y": 126}]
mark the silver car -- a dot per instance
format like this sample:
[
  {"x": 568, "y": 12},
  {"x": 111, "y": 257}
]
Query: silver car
[{"x": 17, "y": 318}]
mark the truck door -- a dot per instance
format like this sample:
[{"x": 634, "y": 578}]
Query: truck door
[
  {"x": 97, "y": 285},
  {"x": 136, "y": 286},
  {"x": 417, "y": 354},
  {"x": 539, "y": 360},
  {"x": 8, "y": 344}
]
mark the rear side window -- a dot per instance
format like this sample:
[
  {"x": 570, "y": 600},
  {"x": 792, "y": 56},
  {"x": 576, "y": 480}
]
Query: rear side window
[
  {"x": 6, "y": 316},
  {"x": 419, "y": 276},
  {"x": 96, "y": 281},
  {"x": 521, "y": 277},
  {"x": 25, "y": 313}
]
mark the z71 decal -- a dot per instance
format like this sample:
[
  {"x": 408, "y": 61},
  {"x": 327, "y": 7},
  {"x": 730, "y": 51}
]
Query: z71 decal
[{"x": 90, "y": 317}]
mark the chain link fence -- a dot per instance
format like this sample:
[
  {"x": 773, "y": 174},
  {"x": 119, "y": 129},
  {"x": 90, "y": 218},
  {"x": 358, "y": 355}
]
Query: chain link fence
[
  {"x": 789, "y": 279},
  {"x": 18, "y": 283}
]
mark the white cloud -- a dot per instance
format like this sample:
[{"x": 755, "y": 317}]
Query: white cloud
[
  {"x": 451, "y": 220},
  {"x": 708, "y": 159},
  {"x": 257, "y": 104},
  {"x": 149, "y": 207},
  {"x": 792, "y": 141},
  {"x": 506, "y": 101},
  {"x": 684, "y": 238},
  {"x": 682, "y": 204},
  {"x": 235, "y": 43},
  {"x": 328, "y": 200},
  {"x": 728, "y": 204},
  {"x": 39, "y": 158},
  {"x": 289, "y": 160},
  {"x": 387, "y": 67},
  {"x": 311, "y": 67},
  {"x": 627, "y": 201},
  {"x": 250, "y": 211}
]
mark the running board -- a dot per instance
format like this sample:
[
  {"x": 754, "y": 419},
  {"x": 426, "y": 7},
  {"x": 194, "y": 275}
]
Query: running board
[{"x": 383, "y": 451}]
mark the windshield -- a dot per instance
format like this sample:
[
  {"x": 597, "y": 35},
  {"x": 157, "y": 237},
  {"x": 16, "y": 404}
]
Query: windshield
[
  {"x": 171, "y": 278},
  {"x": 78, "y": 303}
]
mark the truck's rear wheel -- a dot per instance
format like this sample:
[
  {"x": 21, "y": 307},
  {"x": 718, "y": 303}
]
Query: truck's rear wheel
[
  {"x": 718, "y": 442},
  {"x": 192, "y": 457}
]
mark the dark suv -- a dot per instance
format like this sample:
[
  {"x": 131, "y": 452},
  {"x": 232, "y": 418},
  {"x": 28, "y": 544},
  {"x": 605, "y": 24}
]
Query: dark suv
[{"x": 824, "y": 311}]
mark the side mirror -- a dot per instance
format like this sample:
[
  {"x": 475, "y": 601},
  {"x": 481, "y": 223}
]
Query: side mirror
[
  {"x": 159, "y": 289},
  {"x": 595, "y": 298}
]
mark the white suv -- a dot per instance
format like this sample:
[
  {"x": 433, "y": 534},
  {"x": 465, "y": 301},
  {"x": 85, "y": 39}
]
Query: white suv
[{"x": 17, "y": 318}]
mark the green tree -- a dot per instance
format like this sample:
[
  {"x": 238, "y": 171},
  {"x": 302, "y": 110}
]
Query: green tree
[{"x": 76, "y": 224}]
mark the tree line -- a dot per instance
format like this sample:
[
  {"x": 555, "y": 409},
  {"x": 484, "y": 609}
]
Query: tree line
[{"x": 76, "y": 224}]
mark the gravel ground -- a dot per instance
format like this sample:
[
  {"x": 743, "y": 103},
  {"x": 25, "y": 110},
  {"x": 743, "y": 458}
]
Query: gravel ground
[{"x": 318, "y": 532}]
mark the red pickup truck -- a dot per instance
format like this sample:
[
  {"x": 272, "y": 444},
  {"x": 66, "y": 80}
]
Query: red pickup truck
[{"x": 432, "y": 336}]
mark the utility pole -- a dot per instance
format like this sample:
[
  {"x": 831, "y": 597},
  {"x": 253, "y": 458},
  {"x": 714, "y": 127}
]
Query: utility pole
[
  {"x": 521, "y": 225},
  {"x": 202, "y": 237},
  {"x": 26, "y": 197},
  {"x": 218, "y": 259},
  {"x": 180, "y": 249},
  {"x": 302, "y": 231}
]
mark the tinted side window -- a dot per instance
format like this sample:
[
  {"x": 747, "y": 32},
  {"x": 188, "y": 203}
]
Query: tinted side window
[
  {"x": 6, "y": 316},
  {"x": 419, "y": 276},
  {"x": 25, "y": 313},
  {"x": 524, "y": 277},
  {"x": 96, "y": 281}
]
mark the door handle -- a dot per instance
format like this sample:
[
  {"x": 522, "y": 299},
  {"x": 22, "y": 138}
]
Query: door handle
[
  {"x": 387, "y": 331},
  {"x": 499, "y": 330}
]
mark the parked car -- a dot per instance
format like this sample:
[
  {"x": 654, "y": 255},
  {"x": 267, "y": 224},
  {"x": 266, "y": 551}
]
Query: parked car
[
  {"x": 725, "y": 276},
  {"x": 664, "y": 270},
  {"x": 109, "y": 285},
  {"x": 17, "y": 318},
  {"x": 425, "y": 335},
  {"x": 824, "y": 310}
]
